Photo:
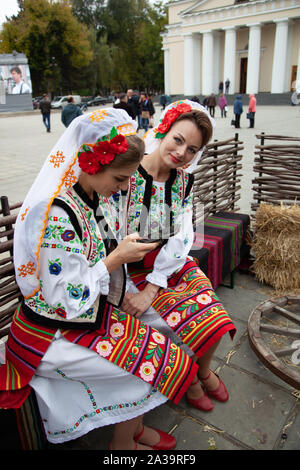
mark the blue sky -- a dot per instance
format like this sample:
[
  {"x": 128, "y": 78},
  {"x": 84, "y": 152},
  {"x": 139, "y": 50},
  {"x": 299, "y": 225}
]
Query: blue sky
[{"x": 8, "y": 8}]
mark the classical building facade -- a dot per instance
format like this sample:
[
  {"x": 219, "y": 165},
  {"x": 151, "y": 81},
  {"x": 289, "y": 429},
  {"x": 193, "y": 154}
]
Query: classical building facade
[{"x": 254, "y": 44}]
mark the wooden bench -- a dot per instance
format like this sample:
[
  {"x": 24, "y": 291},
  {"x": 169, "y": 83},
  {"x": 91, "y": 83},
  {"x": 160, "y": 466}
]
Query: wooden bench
[{"x": 21, "y": 428}]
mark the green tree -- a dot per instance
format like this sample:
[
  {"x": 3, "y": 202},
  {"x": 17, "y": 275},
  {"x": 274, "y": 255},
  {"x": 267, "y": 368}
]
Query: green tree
[
  {"x": 127, "y": 42},
  {"x": 56, "y": 44}
]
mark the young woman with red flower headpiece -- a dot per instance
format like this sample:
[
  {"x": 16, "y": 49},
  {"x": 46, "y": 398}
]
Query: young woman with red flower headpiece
[
  {"x": 89, "y": 363},
  {"x": 167, "y": 290}
]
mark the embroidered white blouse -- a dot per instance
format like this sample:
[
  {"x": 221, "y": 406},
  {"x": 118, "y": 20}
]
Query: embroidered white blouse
[
  {"x": 173, "y": 254},
  {"x": 70, "y": 284}
]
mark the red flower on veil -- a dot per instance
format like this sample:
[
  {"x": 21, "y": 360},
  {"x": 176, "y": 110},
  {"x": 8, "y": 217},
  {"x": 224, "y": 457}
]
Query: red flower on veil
[
  {"x": 92, "y": 157},
  {"x": 170, "y": 117}
]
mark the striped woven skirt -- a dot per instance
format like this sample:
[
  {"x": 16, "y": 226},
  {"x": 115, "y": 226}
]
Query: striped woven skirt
[{"x": 189, "y": 308}]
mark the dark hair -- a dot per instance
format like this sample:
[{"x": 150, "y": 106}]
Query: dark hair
[
  {"x": 70, "y": 99},
  {"x": 16, "y": 69},
  {"x": 132, "y": 156},
  {"x": 201, "y": 120}
]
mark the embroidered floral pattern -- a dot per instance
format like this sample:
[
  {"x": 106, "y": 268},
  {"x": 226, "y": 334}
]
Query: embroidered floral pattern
[
  {"x": 159, "y": 214},
  {"x": 55, "y": 266},
  {"x": 57, "y": 159},
  {"x": 104, "y": 348},
  {"x": 26, "y": 269},
  {"x": 75, "y": 292},
  {"x": 147, "y": 371},
  {"x": 117, "y": 330},
  {"x": 158, "y": 337},
  {"x": 173, "y": 319},
  {"x": 69, "y": 179},
  {"x": 96, "y": 410},
  {"x": 68, "y": 235},
  {"x": 98, "y": 115}
]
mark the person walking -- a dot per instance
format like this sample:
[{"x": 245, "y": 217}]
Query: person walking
[
  {"x": 133, "y": 101},
  {"x": 223, "y": 105},
  {"x": 211, "y": 104},
  {"x": 145, "y": 107},
  {"x": 238, "y": 110},
  {"x": 70, "y": 112},
  {"x": 251, "y": 110},
  {"x": 152, "y": 111},
  {"x": 125, "y": 105},
  {"x": 163, "y": 101},
  {"x": 45, "y": 107},
  {"x": 227, "y": 84}
]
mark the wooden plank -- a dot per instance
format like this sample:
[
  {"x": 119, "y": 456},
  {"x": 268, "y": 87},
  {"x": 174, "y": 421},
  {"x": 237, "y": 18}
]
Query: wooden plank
[{"x": 289, "y": 315}]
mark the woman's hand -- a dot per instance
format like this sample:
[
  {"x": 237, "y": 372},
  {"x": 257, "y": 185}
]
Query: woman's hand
[
  {"x": 128, "y": 251},
  {"x": 137, "y": 304}
]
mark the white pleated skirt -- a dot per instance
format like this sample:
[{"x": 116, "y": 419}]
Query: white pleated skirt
[{"x": 78, "y": 391}]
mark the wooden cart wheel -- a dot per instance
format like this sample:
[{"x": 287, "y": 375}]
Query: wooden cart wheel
[{"x": 274, "y": 335}]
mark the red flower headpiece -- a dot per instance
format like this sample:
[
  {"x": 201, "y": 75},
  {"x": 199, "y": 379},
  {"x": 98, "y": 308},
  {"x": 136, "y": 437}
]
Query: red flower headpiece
[
  {"x": 169, "y": 118},
  {"x": 92, "y": 157}
]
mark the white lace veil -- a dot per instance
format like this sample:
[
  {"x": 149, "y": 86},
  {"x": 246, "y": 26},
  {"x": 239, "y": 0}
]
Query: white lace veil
[{"x": 59, "y": 171}]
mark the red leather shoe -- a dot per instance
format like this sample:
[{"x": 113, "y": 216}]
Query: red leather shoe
[
  {"x": 166, "y": 442},
  {"x": 220, "y": 393},
  {"x": 203, "y": 403}
]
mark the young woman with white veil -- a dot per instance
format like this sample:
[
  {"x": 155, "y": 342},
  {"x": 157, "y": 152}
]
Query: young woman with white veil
[
  {"x": 89, "y": 363},
  {"x": 167, "y": 290}
]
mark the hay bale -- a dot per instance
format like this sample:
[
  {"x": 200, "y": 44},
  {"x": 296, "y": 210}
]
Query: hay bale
[{"x": 276, "y": 246}]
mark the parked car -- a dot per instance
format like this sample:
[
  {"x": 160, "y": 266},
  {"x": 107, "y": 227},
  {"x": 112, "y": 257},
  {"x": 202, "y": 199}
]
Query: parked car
[
  {"x": 96, "y": 101},
  {"x": 61, "y": 102},
  {"x": 110, "y": 99}
]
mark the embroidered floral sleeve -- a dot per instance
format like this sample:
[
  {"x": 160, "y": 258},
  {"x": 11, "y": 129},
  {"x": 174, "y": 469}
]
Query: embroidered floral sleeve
[
  {"x": 173, "y": 254},
  {"x": 69, "y": 285}
]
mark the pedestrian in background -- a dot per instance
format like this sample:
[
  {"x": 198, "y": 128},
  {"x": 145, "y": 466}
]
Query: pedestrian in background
[
  {"x": 125, "y": 105},
  {"x": 227, "y": 84},
  {"x": 70, "y": 112},
  {"x": 223, "y": 105},
  {"x": 211, "y": 104},
  {"x": 163, "y": 101},
  {"x": 238, "y": 109},
  {"x": 152, "y": 111},
  {"x": 45, "y": 107},
  {"x": 251, "y": 110},
  {"x": 133, "y": 101},
  {"x": 145, "y": 108}
]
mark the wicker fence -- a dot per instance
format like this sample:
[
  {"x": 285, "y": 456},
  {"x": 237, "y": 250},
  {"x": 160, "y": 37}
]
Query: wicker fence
[
  {"x": 217, "y": 179},
  {"x": 278, "y": 167},
  {"x": 9, "y": 291}
]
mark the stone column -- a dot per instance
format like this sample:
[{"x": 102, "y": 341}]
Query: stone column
[
  {"x": 191, "y": 64},
  {"x": 218, "y": 73},
  {"x": 280, "y": 55},
  {"x": 229, "y": 57},
  {"x": 253, "y": 58},
  {"x": 207, "y": 63},
  {"x": 167, "y": 70},
  {"x": 298, "y": 67}
]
